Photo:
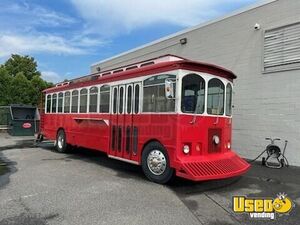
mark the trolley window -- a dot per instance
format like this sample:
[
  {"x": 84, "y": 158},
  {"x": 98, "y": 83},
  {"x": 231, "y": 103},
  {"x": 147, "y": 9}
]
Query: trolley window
[
  {"x": 129, "y": 99},
  {"x": 104, "y": 99},
  {"x": 115, "y": 97},
  {"x": 215, "y": 97},
  {"x": 74, "y": 101},
  {"x": 228, "y": 99},
  {"x": 154, "y": 94},
  {"x": 193, "y": 94},
  {"x": 83, "y": 101},
  {"x": 60, "y": 102},
  {"x": 67, "y": 102},
  {"x": 54, "y": 103},
  {"x": 48, "y": 104},
  {"x": 93, "y": 99},
  {"x": 137, "y": 99},
  {"x": 121, "y": 103}
]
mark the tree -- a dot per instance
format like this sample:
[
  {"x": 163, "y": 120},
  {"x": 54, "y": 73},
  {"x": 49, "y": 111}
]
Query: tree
[
  {"x": 39, "y": 85},
  {"x": 21, "y": 82},
  {"x": 22, "y": 91},
  {"x": 25, "y": 64},
  {"x": 5, "y": 84}
]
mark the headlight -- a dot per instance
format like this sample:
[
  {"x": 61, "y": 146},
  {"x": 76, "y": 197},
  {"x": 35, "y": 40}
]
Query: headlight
[
  {"x": 186, "y": 149},
  {"x": 216, "y": 139}
]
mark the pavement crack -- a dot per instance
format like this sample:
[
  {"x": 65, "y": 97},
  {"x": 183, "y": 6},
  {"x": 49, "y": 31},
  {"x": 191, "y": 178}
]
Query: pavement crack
[
  {"x": 195, "y": 215},
  {"x": 227, "y": 211}
]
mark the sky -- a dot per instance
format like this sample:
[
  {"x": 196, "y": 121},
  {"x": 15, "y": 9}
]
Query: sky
[{"x": 67, "y": 36}]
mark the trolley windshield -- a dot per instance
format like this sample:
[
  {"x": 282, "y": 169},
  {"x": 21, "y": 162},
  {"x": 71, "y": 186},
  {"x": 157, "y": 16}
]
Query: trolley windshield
[{"x": 194, "y": 95}]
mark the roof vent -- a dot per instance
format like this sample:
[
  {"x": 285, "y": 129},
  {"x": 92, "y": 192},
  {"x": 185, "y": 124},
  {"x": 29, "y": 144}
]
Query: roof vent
[
  {"x": 131, "y": 67},
  {"x": 118, "y": 71},
  {"x": 147, "y": 63}
]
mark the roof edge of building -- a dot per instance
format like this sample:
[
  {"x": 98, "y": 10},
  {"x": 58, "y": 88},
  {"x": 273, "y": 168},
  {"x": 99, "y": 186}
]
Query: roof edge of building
[{"x": 234, "y": 13}]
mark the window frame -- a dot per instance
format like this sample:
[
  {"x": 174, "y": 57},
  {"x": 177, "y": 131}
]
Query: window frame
[
  {"x": 168, "y": 75},
  {"x": 70, "y": 101},
  {"x": 73, "y": 90},
  {"x": 46, "y": 103},
  {"x": 224, "y": 93},
  {"x": 131, "y": 100},
  {"x": 121, "y": 102},
  {"x": 109, "y": 91},
  {"x": 140, "y": 84},
  {"x": 89, "y": 99},
  {"x": 114, "y": 100},
  {"x": 226, "y": 86},
  {"x": 62, "y": 102},
  {"x": 55, "y": 102},
  {"x": 205, "y": 93},
  {"x": 87, "y": 94}
]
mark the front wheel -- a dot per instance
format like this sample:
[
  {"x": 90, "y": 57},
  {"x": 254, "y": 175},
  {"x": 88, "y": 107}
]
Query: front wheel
[
  {"x": 61, "y": 142},
  {"x": 156, "y": 164}
]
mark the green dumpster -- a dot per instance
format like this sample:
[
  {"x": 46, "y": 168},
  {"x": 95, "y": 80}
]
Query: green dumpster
[{"x": 24, "y": 120}]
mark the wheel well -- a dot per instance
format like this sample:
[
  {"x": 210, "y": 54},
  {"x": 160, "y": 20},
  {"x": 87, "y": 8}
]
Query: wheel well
[
  {"x": 148, "y": 142},
  {"x": 59, "y": 129}
]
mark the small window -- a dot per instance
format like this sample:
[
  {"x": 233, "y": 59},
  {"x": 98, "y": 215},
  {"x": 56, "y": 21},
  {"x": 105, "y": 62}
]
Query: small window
[
  {"x": 129, "y": 99},
  {"x": 93, "y": 99},
  {"x": 137, "y": 99},
  {"x": 115, "y": 97},
  {"x": 215, "y": 97},
  {"x": 60, "y": 102},
  {"x": 228, "y": 99},
  {"x": 54, "y": 103},
  {"x": 104, "y": 99},
  {"x": 83, "y": 101},
  {"x": 48, "y": 104},
  {"x": 67, "y": 103},
  {"x": 193, "y": 94},
  {"x": 121, "y": 99},
  {"x": 74, "y": 101}
]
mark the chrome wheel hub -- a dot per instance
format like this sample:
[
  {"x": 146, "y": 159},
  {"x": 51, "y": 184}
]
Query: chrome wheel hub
[
  {"x": 156, "y": 162},
  {"x": 60, "y": 141}
]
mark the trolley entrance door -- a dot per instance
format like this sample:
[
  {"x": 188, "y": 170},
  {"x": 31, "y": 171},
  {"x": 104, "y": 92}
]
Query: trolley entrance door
[
  {"x": 117, "y": 121},
  {"x": 125, "y": 106},
  {"x": 128, "y": 121}
]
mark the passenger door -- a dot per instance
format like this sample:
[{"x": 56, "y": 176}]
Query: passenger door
[
  {"x": 117, "y": 120},
  {"x": 124, "y": 133}
]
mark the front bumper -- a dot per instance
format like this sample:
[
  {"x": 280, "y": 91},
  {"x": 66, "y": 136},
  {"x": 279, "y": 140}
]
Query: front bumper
[{"x": 214, "y": 166}]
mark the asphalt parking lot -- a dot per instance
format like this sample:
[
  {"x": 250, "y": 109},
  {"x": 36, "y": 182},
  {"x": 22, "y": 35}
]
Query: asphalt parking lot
[{"x": 39, "y": 186}]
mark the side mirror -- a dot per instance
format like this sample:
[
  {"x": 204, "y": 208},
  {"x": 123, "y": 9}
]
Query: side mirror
[{"x": 169, "y": 89}]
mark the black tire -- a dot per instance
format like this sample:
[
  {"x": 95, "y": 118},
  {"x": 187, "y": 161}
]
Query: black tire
[
  {"x": 168, "y": 172},
  {"x": 61, "y": 147}
]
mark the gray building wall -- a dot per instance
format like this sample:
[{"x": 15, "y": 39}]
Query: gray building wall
[{"x": 266, "y": 104}]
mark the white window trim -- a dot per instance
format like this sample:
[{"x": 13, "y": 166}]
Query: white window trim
[{"x": 207, "y": 77}]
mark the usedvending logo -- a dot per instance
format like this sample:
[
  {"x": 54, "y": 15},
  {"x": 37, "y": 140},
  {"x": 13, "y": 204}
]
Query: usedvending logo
[{"x": 263, "y": 208}]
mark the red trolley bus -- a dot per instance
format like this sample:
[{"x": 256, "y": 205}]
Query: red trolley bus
[{"x": 169, "y": 115}]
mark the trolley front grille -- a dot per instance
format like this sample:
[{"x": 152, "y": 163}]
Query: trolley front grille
[{"x": 216, "y": 167}]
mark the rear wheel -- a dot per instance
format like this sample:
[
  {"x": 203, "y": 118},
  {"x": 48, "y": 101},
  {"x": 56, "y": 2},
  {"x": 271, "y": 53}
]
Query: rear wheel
[
  {"x": 156, "y": 164},
  {"x": 61, "y": 142}
]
